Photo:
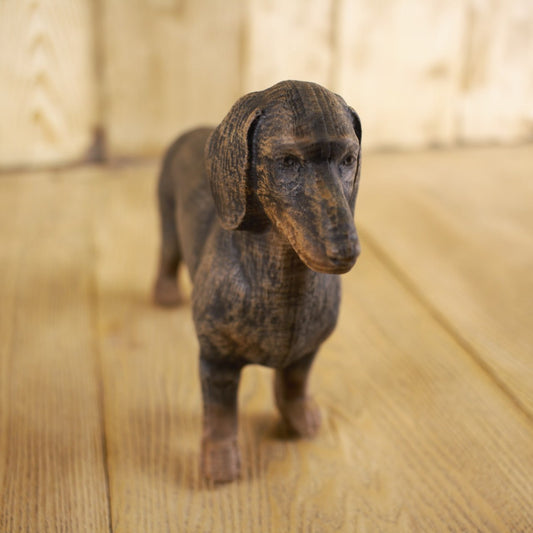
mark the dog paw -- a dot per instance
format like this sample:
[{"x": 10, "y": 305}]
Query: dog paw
[
  {"x": 221, "y": 461},
  {"x": 302, "y": 417},
  {"x": 167, "y": 293}
]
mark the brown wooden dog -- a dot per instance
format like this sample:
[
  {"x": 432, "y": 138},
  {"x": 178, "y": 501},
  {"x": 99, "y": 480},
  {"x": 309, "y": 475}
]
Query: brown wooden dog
[{"x": 261, "y": 211}]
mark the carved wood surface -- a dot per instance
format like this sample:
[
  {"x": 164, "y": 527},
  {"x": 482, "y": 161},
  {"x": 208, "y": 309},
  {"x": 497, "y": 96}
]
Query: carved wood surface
[{"x": 427, "y": 425}]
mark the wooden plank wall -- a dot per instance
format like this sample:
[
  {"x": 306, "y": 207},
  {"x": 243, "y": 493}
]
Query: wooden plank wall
[
  {"x": 48, "y": 93},
  {"x": 420, "y": 72},
  {"x": 169, "y": 65}
]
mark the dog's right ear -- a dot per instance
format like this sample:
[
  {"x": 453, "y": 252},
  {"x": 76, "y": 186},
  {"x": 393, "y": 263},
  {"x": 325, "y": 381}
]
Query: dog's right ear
[{"x": 227, "y": 155}]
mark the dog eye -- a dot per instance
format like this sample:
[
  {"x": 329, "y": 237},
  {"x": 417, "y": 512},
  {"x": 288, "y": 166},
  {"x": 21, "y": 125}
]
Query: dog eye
[
  {"x": 348, "y": 160},
  {"x": 290, "y": 162}
]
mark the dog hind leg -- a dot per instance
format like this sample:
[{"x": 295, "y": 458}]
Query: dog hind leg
[{"x": 166, "y": 290}]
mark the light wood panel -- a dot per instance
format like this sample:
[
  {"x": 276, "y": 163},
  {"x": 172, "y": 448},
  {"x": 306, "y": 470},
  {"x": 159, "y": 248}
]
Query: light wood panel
[
  {"x": 169, "y": 65},
  {"x": 130, "y": 75},
  {"x": 399, "y": 64},
  {"x": 47, "y": 92},
  {"x": 52, "y": 470},
  {"x": 419, "y": 73},
  {"x": 496, "y": 101},
  {"x": 457, "y": 226},
  {"x": 416, "y": 436},
  {"x": 288, "y": 40}
]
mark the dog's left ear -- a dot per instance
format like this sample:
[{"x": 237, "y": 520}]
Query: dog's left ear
[
  {"x": 358, "y": 132},
  {"x": 356, "y": 123},
  {"x": 227, "y": 155}
]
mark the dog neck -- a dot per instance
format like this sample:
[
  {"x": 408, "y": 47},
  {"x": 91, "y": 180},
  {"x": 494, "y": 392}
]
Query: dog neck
[
  {"x": 268, "y": 251},
  {"x": 270, "y": 257}
]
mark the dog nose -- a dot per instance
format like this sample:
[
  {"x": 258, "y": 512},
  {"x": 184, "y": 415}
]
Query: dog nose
[{"x": 343, "y": 251}]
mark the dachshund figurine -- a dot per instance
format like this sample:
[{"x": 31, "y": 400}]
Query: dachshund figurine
[{"x": 260, "y": 209}]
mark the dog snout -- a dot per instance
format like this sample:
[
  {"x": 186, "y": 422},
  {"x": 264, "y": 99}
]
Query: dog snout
[{"x": 344, "y": 252}]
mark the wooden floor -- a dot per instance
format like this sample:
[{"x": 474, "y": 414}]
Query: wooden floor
[{"x": 426, "y": 387}]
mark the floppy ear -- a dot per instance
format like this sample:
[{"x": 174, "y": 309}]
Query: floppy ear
[
  {"x": 227, "y": 160},
  {"x": 358, "y": 132},
  {"x": 356, "y": 123}
]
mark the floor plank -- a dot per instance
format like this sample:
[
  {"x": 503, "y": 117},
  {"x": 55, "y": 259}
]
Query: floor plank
[
  {"x": 52, "y": 470},
  {"x": 457, "y": 226},
  {"x": 417, "y": 435}
]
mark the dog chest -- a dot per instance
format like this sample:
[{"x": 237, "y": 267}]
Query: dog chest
[{"x": 265, "y": 315}]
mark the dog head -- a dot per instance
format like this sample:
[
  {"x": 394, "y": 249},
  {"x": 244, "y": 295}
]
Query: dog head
[{"x": 295, "y": 148}]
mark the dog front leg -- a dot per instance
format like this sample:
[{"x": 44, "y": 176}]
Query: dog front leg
[
  {"x": 220, "y": 461},
  {"x": 298, "y": 410}
]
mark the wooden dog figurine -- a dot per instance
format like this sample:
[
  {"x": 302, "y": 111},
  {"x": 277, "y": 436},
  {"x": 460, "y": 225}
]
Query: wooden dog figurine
[{"x": 261, "y": 211}]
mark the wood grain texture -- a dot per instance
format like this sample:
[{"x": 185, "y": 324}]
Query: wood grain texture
[
  {"x": 422, "y": 73},
  {"x": 288, "y": 40},
  {"x": 52, "y": 470},
  {"x": 400, "y": 64},
  {"x": 457, "y": 227},
  {"x": 169, "y": 65},
  {"x": 48, "y": 90},
  {"x": 496, "y": 99},
  {"x": 416, "y": 437}
]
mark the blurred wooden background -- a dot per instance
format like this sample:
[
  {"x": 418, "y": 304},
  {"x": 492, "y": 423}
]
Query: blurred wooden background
[{"x": 114, "y": 79}]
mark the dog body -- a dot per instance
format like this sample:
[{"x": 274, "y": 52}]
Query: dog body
[{"x": 260, "y": 209}]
